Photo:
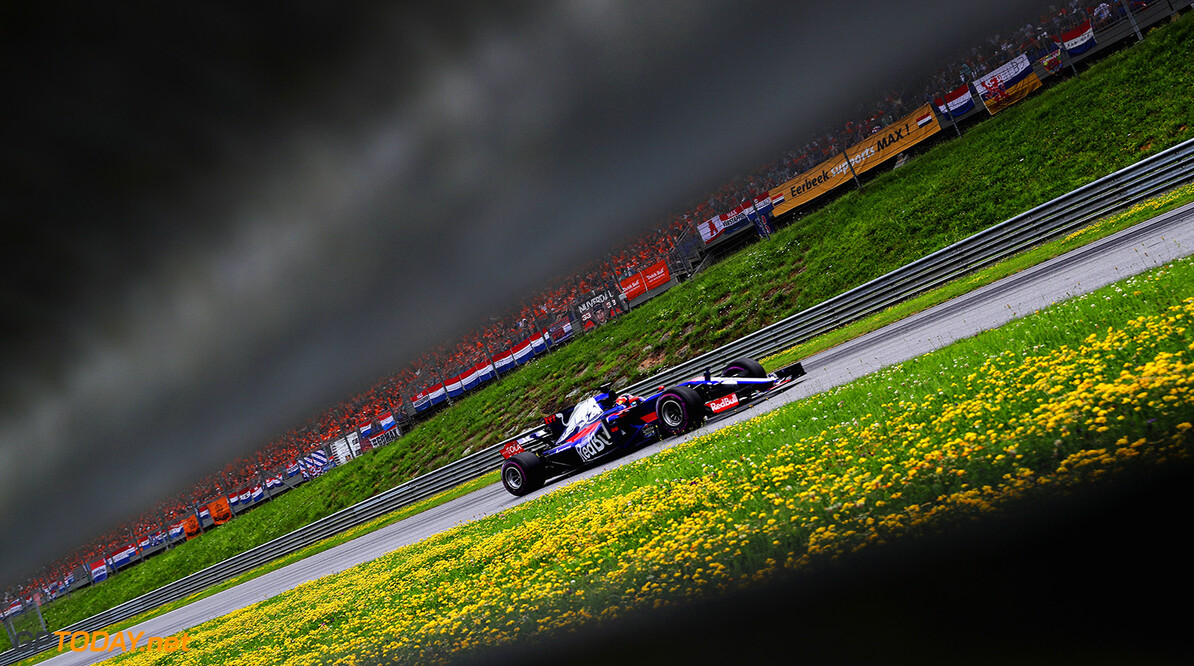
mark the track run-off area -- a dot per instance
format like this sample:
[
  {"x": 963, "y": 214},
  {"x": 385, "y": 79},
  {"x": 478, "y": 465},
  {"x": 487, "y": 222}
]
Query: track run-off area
[{"x": 1147, "y": 245}]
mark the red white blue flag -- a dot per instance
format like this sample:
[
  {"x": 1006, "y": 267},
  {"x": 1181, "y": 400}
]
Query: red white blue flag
[
  {"x": 99, "y": 570},
  {"x": 1079, "y": 40},
  {"x": 957, "y": 103},
  {"x": 123, "y": 556},
  {"x": 386, "y": 422},
  {"x": 522, "y": 352},
  {"x": 437, "y": 394},
  {"x": 454, "y": 386}
]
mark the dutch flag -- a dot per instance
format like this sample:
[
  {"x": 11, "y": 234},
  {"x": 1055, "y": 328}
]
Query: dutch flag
[
  {"x": 258, "y": 493},
  {"x": 957, "y": 103},
  {"x": 99, "y": 570},
  {"x": 469, "y": 379},
  {"x": 1078, "y": 40},
  {"x": 122, "y": 557},
  {"x": 454, "y": 386},
  {"x": 420, "y": 401},
  {"x": 437, "y": 394},
  {"x": 387, "y": 421},
  {"x": 522, "y": 352},
  {"x": 484, "y": 371}
]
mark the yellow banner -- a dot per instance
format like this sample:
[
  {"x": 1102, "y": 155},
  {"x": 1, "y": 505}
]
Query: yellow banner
[
  {"x": 864, "y": 156},
  {"x": 1005, "y": 98},
  {"x": 1008, "y": 84}
]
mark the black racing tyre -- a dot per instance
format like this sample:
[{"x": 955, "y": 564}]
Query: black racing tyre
[
  {"x": 523, "y": 473},
  {"x": 744, "y": 367},
  {"x": 678, "y": 410}
]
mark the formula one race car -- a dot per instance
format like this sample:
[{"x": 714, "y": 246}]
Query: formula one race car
[{"x": 600, "y": 426}]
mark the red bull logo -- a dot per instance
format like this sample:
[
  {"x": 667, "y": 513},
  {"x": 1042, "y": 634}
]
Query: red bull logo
[{"x": 724, "y": 403}]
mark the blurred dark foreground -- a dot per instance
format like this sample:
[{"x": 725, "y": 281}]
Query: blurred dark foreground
[{"x": 1100, "y": 577}]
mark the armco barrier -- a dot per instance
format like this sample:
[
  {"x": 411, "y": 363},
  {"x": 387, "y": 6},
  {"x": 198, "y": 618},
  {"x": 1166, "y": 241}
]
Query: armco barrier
[
  {"x": 1123, "y": 188},
  {"x": 1047, "y": 221}
]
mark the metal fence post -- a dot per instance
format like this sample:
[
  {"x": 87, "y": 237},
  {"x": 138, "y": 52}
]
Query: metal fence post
[
  {"x": 37, "y": 607},
  {"x": 1132, "y": 18},
  {"x": 852, "y": 173},
  {"x": 10, "y": 630}
]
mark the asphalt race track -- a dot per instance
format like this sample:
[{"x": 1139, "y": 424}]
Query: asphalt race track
[{"x": 1152, "y": 243}]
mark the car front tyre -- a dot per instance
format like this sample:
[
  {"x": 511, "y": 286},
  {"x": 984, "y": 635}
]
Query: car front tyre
[{"x": 678, "y": 410}]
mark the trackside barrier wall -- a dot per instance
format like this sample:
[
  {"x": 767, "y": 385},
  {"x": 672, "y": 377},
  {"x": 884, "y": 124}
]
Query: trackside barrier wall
[{"x": 1125, "y": 187}]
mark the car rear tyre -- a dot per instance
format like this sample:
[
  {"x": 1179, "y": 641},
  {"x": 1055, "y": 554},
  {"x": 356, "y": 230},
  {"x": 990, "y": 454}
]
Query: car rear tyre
[
  {"x": 744, "y": 367},
  {"x": 678, "y": 410},
  {"x": 523, "y": 473}
]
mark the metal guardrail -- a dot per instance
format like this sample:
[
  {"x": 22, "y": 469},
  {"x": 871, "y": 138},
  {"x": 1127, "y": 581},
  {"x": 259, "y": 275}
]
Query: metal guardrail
[
  {"x": 1050, "y": 220},
  {"x": 1047, "y": 221}
]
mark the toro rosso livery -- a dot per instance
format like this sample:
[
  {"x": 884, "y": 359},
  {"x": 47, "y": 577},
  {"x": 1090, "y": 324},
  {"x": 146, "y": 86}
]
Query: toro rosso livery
[{"x": 608, "y": 423}]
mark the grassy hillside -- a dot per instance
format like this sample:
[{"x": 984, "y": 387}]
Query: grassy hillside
[
  {"x": 1118, "y": 111},
  {"x": 1081, "y": 395}
]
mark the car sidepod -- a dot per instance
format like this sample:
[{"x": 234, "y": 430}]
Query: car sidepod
[{"x": 591, "y": 442}]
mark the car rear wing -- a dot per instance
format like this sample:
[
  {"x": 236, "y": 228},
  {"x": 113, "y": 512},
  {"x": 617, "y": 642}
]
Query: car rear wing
[{"x": 535, "y": 439}]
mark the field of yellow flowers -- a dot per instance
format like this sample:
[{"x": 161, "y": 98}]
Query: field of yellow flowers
[{"x": 1059, "y": 400}]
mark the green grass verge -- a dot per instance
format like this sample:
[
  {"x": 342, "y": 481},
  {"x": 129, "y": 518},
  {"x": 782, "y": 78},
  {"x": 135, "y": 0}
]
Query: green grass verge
[
  {"x": 1060, "y": 400},
  {"x": 1028, "y": 154},
  {"x": 1171, "y": 200}
]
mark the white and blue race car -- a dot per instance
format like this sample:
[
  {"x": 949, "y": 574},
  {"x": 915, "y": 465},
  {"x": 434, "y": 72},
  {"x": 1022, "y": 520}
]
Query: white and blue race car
[{"x": 607, "y": 423}]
